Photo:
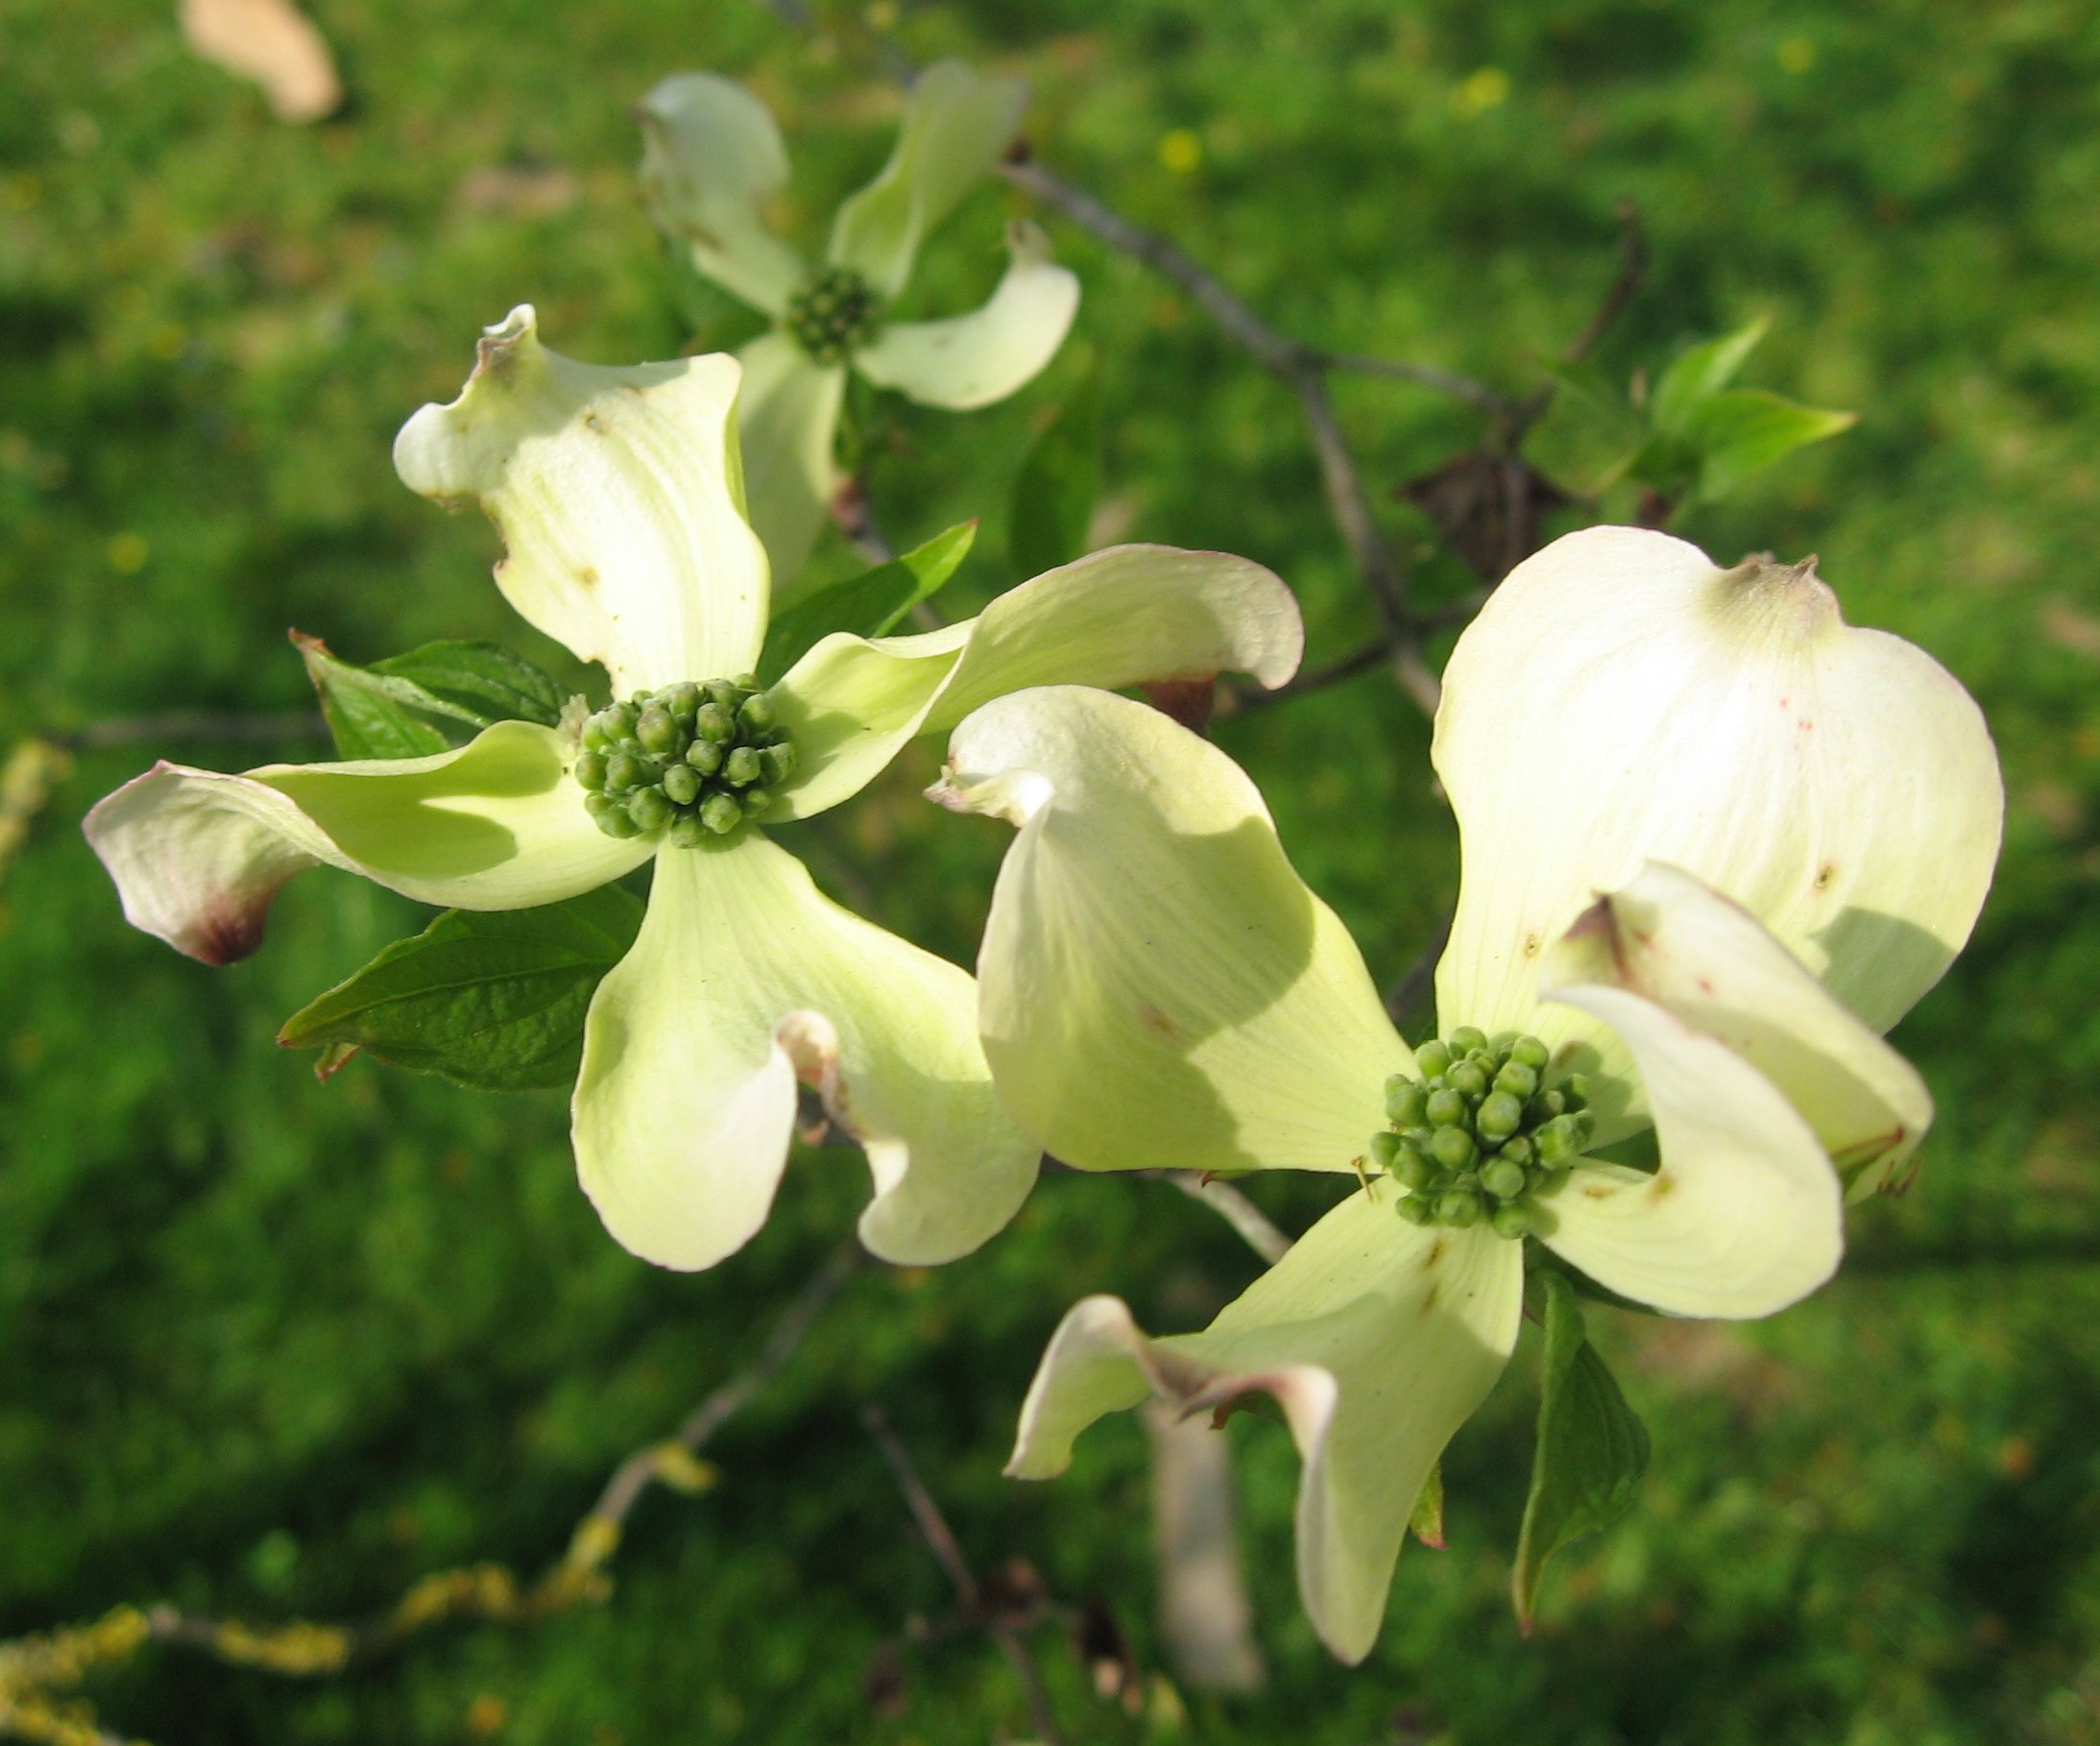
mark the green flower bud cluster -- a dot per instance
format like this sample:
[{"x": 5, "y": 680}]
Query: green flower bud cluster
[
  {"x": 1479, "y": 1137},
  {"x": 834, "y": 315},
  {"x": 693, "y": 761}
]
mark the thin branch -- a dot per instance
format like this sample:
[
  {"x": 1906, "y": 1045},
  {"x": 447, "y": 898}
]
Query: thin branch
[
  {"x": 1302, "y": 368},
  {"x": 1262, "y": 1236},
  {"x": 1625, "y": 284},
  {"x": 647, "y": 1467},
  {"x": 1408, "y": 997},
  {"x": 1241, "y": 698},
  {"x": 947, "y": 1551},
  {"x": 193, "y": 725},
  {"x": 1406, "y": 370},
  {"x": 33, "y": 1668}
]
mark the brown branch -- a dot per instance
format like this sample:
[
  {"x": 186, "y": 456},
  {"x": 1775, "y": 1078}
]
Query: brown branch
[
  {"x": 947, "y": 1551},
  {"x": 1625, "y": 284},
  {"x": 1252, "y": 1223},
  {"x": 1406, "y": 1000},
  {"x": 190, "y": 724},
  {"x": 33, "y": 1668},
  {"x": 1240, "y": 699}
]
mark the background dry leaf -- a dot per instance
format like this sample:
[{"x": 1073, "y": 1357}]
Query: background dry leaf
[{"x": 272, "y": 43}]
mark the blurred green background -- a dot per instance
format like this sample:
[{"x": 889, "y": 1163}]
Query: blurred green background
[{"x": 269, "y": 1347}]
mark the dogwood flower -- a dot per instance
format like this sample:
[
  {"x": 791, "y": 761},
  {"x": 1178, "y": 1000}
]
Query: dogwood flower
[
  {"x": 712, "y": 156},
  {"x": 616, "y": 493},
  {"x": 1794, "y": 823}
]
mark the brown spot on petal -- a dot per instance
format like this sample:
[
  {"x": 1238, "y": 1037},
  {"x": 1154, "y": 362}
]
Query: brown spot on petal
[
  {"x": 229, "y": 933},
  {"x": 1160, "y": 1025},
  {"x": 1825, "y": 874},
  {"x": 586, "y": 576},
  {"x": 1437, "y": 1250},
  {"x": 1428, "y": 1298},
  {"x": 1531, "y": 945},
  {"x": 594, "y": 422}
]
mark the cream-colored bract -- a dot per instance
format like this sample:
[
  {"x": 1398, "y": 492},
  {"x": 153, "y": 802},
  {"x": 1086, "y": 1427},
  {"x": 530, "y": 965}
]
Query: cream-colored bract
[
  {"x": 1791, "y": 825},
  {"x": 618, "y": 495},
  {"x": 711, "y": 155}
]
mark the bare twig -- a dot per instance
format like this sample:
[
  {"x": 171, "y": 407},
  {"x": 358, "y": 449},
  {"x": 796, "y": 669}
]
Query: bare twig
[
  {"x": 33, "y": 1669},
  {"x": 941, "y": 1541},
  {"x": 1632, "y": 269},
  {"x": 1303, "y": 369},
  {"x": 1241, "y": 698},
  {"x": 192, "y": 725},
  {"x": 1406, "y": 999},
  {"x": 647, "y": 1465},
  {"x": 1234, "y": 1207}
]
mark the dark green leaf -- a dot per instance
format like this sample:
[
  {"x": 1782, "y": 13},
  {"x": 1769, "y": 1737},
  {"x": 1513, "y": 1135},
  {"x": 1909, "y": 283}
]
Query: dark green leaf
[
  {"x": 1054, "y": 491},
  {"x": 870, "y": 604},
  {"x": 1701, "y": 373},
  {"x": 365, "y": 719},
  {"x": 1591, "y": 1451},
  {"x": 1741, "y": 432},
  {"x": 392, "y": 707},
  {"x": 479, "y": 683},
  {"x": 495, "y": 1000}
]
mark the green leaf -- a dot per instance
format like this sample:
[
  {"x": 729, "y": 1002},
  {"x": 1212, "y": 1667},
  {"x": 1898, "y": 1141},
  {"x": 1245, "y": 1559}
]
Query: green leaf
[
  {"x": 1591, "y": 1451},
  {"x": 365, "y": 718},
  {"x": 1745, "y": 431},
  {"x": 489, "y": 999},
  {"x": 391, "y": 709},
  {"x": 1701, "y": 373},
  {"x": 1060, "y": 477},
  {"x": 870, "y": 604},
  {"x": 479, "y": 683}
]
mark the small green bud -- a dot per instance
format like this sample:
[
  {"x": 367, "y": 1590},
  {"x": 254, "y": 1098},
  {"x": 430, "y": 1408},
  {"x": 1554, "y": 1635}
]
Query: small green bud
[
  {"x": 648, "y": 809},
  {"x": 1512, "y": 1221},
  {"x": 721, "y": 813},
  {"x": 1459, "y": 1209},
  {"x": 713, "y": 721},
  {"x": 1504, "y": 1179},
  {"x": 687, "y": 830},
  {"x": 1519, "y": 1150},
  {"x": 590, "y": 769},
  {"x": 1467, "y": 1076},
  {"x": 622, "y": 772},
  {"x": 755, "y": 713},
  {"x": 593, "y": 736},
  {"x": 683, "y": 700},
  {"x": 1383, "y": 1148},
  {"x": 1499, "y": 1117},
  {"x": 1466, "y": 1039},
  {"x": 610, "y": 815},
  {"x": 681, "y": 785},
  {"x": 619, "y": 721},
  {"x": 1517, "y": 1079},
  {"x": 1575, "y": 1089},
  {"x": 755, "y": 800},
  {"x": 657, "y": 731},
  {"x": 1544, "y": 1107},
  {"x": 1404, "y": 1100},
  {"x": 1529, "y": 1052},
  {"x": 1415, "y": 1209},
  {"x": 1453, "y": 1148},
  {"x": 777, "y": 762},
  {"x": 704, "y": 756},
  {"x": 1432, "y": 1058},
  {"x": 1413, "y": 1166},
  {"x": 742, "y": 766},
  {"x": 1445, "y": 1108},
  {"x": 1558, "y": 1140}
]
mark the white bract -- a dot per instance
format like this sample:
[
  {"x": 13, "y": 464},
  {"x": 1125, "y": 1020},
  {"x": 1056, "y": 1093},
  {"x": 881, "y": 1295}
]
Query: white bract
[
  {"x": 1793, "y": 822},
  {"x": 617, "y": 495},
  {"x": 713, "y": 157}
]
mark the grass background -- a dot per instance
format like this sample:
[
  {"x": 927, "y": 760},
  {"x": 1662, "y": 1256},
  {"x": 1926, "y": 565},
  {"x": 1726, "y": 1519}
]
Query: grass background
[{"x": 268, "y": 1347}]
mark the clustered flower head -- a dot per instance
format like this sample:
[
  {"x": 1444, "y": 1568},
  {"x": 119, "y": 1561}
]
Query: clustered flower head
[
  {"x": 711, "y": 160},
  {"x": 617, "y": 494},
  {"x": 1715, "y": 842}
]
